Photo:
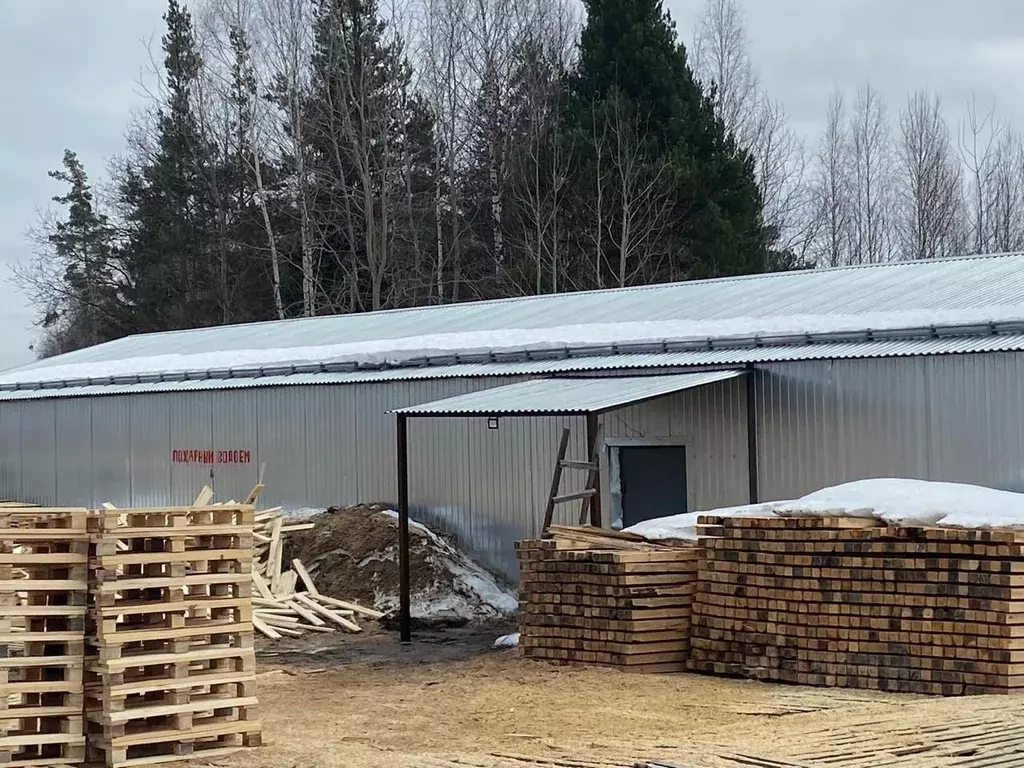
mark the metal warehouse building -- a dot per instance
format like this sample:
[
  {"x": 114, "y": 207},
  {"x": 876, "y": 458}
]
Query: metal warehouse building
[{"x": 708, "y": 394}]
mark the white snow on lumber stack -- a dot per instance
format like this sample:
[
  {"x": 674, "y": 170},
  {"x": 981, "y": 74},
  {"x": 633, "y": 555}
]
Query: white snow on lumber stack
[
  {"x": 915, "y": 502},
  {"x": 684, "y": 527},
  {"x": 893, "y": 501}
]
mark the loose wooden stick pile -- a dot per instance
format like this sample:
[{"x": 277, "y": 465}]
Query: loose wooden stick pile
[{"x": 287, "y": 603}]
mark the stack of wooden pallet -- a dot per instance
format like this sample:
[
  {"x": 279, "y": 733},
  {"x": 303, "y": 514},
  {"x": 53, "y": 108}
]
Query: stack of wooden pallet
[
  {"x": 171, "y": 666},
  {"x": 594, "y": 597},
  {"x": 43, "y": 582},
  {"x": 850, "y": 602}
]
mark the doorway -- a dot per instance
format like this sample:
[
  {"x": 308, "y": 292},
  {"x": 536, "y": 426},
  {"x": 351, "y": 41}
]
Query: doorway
[{"x": 651, "y": 482}]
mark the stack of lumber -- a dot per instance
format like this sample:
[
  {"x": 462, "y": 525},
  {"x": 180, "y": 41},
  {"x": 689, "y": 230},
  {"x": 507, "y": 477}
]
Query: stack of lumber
[
  {"x": 43, "y": 583},
  {"x": 855, "y": 603},
  {"x": 287, "y": 602},
  {"x": 170, "y": 668},
  {"x": 589, "y": 596}
]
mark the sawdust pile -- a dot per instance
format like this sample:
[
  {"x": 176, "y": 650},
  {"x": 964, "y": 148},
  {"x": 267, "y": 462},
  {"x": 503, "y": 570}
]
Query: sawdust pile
[{"x": 352, "y": 554}]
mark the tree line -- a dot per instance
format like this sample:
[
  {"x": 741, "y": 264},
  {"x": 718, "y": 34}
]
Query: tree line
[
  {"x": 311, "y": 157},
  {"x": 879, "y": 184}
]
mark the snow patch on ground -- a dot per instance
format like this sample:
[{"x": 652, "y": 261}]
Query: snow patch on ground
[
  {"x": 894, "y": 501},
  {"x": 300, "y": 512},
  {"x": 507, "y": 641},
  {"x": 473, "y": 594}
]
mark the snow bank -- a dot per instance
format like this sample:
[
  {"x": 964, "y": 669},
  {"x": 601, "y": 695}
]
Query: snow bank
[
  {"x": 397, "y": 351},
  {"x": 893, "y": 501},
  {"x": 472, "y": 593}
]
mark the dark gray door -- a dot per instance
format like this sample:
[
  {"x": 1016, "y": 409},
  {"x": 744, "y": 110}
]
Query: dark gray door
[{"x": 653, "y": 482}]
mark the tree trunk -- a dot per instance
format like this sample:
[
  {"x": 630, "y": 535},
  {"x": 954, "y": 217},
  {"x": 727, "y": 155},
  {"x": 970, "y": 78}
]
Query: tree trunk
[{"x": 275, "y": 261}]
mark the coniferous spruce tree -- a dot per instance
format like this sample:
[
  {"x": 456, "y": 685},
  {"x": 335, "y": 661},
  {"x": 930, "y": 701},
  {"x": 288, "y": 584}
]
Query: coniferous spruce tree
[
  {"x": 84, "y": 306},
  {"x": 678, "y": 196},
  {"x": 171, "y": 253}
]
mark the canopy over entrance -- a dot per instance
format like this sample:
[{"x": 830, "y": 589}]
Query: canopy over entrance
[
  {"x": 588, "y": 397},
  {"x": 566, "y": 396}
]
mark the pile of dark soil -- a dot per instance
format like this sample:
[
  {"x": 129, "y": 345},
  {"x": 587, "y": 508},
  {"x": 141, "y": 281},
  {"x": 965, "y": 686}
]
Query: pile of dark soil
[{"x": 352, "y": 554}]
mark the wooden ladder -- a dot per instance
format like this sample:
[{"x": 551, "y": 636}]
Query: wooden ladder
[{"x": 590, "y": 496}]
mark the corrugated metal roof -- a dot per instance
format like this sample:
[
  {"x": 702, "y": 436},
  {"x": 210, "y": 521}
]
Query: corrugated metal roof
[
  {"x": 565, "y": 396},
  {"x": 572, "y": 365},
  {"x": 962, "y": 291}
]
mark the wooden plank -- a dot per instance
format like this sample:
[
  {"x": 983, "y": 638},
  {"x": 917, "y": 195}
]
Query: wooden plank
[
  {"x": 261, "y": 586},
  {"x": 291, "y": 528},
  {"x": 195, "y": 705},
  {"x": 305, "y": 613},
  {"x": 584, "y": 494},
  {"x": 354, "y": 607},
  {"x": 274, "y": 556},
  {"x": 328, "y": 613},
  {"x": 204, "y": 497},
  {"x": 585, "y": 465},
  {"x": 304, "y": 576}
]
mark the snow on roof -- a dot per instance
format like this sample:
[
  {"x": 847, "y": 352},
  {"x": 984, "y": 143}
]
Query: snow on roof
[
  {"x": 972, "y": 291},
  {"x": 895, "y": 501}
]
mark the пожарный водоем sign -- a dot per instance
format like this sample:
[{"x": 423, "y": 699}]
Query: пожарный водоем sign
[{"x": 203, "y": 456}]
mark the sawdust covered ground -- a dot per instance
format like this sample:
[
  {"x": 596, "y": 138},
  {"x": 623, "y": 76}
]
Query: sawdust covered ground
[{"x": 450, "y": 701}]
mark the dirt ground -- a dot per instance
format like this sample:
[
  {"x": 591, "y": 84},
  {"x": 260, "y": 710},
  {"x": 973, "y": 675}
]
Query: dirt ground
[{"x": 449, "y": 700}]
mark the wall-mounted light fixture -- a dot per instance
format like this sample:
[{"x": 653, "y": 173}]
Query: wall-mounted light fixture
[{"x": 492, "y": 422}]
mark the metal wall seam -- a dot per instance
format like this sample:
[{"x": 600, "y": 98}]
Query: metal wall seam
[
  {"x": 191, "y": 429},
  {"x": 10, "y": 452},
  {"x": 39, "y": 452},
  {"x": 281, "y": 432},
  {"x": 73, "y": 451},
  {"x": 233, "y": 422},
  {"x": 110, "y": 451}
]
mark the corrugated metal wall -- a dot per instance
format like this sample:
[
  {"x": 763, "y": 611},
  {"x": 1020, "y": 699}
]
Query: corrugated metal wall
[
  {"x": 957, "y": 418},
  {"x": 711, "y": 422},
  {"x": 952, "y": 418}
]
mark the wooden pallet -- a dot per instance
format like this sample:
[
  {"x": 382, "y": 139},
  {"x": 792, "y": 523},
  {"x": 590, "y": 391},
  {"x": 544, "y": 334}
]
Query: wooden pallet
[
  {"x": 171, "y": 669},
  {"x": 851, "y": 602},
  {"x": 43, "y": 582},
  {"x": 582, "y": 602}
]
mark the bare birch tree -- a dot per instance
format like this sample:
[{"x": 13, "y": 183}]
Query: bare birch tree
[
  {"x": 284, "y": 41},
  {"x": 721, "y": 58},
  {"x": 830, "y": 189},
  {"x": 781, "y": 165},
  {"x": 871, "y": 180},
  {"x": 539, "y": 162},
  {"x": 1005, "y": 195},
  {"x": 444, "y": 73},
  {"x": 760, "y": 123},
  {"x": 979, "y": 141},
  {"x": 929, "y": 182}
]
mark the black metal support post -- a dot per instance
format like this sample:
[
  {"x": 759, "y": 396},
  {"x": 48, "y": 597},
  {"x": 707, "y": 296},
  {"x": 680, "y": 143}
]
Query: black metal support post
[
  {"x": 404, "y": 607},
  {"x": 592, "y": 455},
  {"x": 752, "y": 434}
]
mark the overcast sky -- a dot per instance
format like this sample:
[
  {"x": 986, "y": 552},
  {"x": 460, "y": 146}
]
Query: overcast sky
[{"x": 71, "y": 70}]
